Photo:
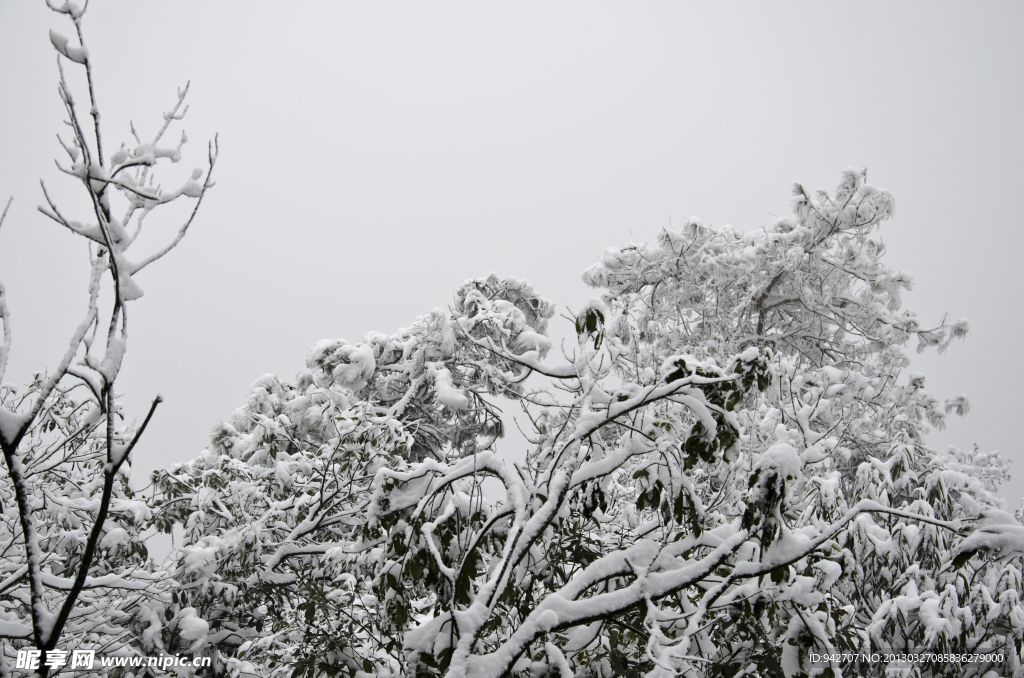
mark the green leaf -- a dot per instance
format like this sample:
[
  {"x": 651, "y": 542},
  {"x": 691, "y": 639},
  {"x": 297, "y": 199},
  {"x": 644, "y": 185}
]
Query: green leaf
[
  {"x": 400, "y": 616},
  {"x": 961, "y": 559},
  {"x": 780, "y": 574},
  {"x": 428, "y": 660},
  {"x": 444, "y": 658},
  {"x": 617, "y": 662},
  {"x": 463, "y": 587},
  {"x": 666, "y": 512},
  {"x": 695, "y": 445}
]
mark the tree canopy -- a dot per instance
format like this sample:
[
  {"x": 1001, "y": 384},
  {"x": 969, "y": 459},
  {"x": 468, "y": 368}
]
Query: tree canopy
[{"x": 726, "y": 473}]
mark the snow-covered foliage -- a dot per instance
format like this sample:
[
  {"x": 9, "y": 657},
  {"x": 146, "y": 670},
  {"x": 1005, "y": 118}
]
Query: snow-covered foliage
[
  {"x": 270, "y": 513},
  {"x": 282, "y": 547},
  {"x": 61, "y": 460},
  {"x": 726, "y": 473},
  {"x": 74, "y": 569}
]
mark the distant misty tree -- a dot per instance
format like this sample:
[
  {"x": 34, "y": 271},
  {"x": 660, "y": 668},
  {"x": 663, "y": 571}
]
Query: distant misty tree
[
  {"x": 74, "y": 572},
  {"x": 727, "y": 474}
]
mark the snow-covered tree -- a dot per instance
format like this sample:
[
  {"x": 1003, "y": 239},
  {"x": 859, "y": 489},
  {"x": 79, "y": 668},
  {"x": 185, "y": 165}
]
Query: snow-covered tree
[
  {"x": 74, "y": 570},
  {"x": 272, "y": 510},
  {"x": 727, "y": 473}
]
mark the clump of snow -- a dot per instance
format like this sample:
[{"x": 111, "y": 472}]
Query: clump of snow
[
  {"x": 830, "y": 572},
  {"x": 357, "y": 367},
  {"x": 750, "y": 354},
  {"x": 77, "y": 54},
  {"x": 114, "y": 538},
  {"x": 201, "y": 559},
  {"x": 547, "y": 620},
  {"x": 10, "y": 424},
  {"x": 111, "y": 364},
  {"x": 529, "y": 340},
  {"x": 337, "y": 361},
  {"x": 192, "y": 627},
  {"x": 997, "y": 532},
  {"x": 558, "y": 660},
  {"x": 689, "y": 364},
  {"x": 93, "y": 415},
  {"x": 791, "y": 651},
  {"x": 783, "y": 458},
  {"x": 267, "y": 382},
  {"x": 446, "y": 392},
  {"x": 828, "y": 488},
  {"x": 595, "y": 304},
  {"x": 935, "y": 623}
]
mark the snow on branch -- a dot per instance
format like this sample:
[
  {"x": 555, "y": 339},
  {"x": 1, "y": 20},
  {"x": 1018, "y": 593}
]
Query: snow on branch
[{"x": 75, "y": 566}]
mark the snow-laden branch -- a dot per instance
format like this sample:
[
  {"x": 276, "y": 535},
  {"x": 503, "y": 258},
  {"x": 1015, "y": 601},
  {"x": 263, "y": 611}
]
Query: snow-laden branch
[
  {"x": 90, "y": 557},
  {"x": 557, "y": 611}
]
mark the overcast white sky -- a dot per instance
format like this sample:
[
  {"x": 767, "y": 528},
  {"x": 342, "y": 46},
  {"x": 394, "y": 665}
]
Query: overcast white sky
[{"x": 374, "y": 155}]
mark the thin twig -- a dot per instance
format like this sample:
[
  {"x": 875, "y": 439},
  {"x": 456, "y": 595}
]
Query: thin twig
[
  {"x": 6, "y": 207},
  {"x": 213, "y": 151}
]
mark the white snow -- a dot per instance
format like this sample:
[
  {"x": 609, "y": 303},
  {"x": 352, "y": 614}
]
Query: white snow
[
  {"x": 76, "y": 54},
  {"x": 934, "y": 622},
  {"x": 783, "y": 458},
  {"x": 191, "y": 626},
  {"x": 529, "y": 340},
  {"x": 594, "y": 304},
  {"x": 998, "y": 532},
  {"x": 114, "y": 538},
  {"x": 111, "y": 364},
  {"x": 446, "y": 392},
  {"x": 358, "y": 367},
  {"x": 10, "y": 424},
  {"x": 547, "y": 620}
]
